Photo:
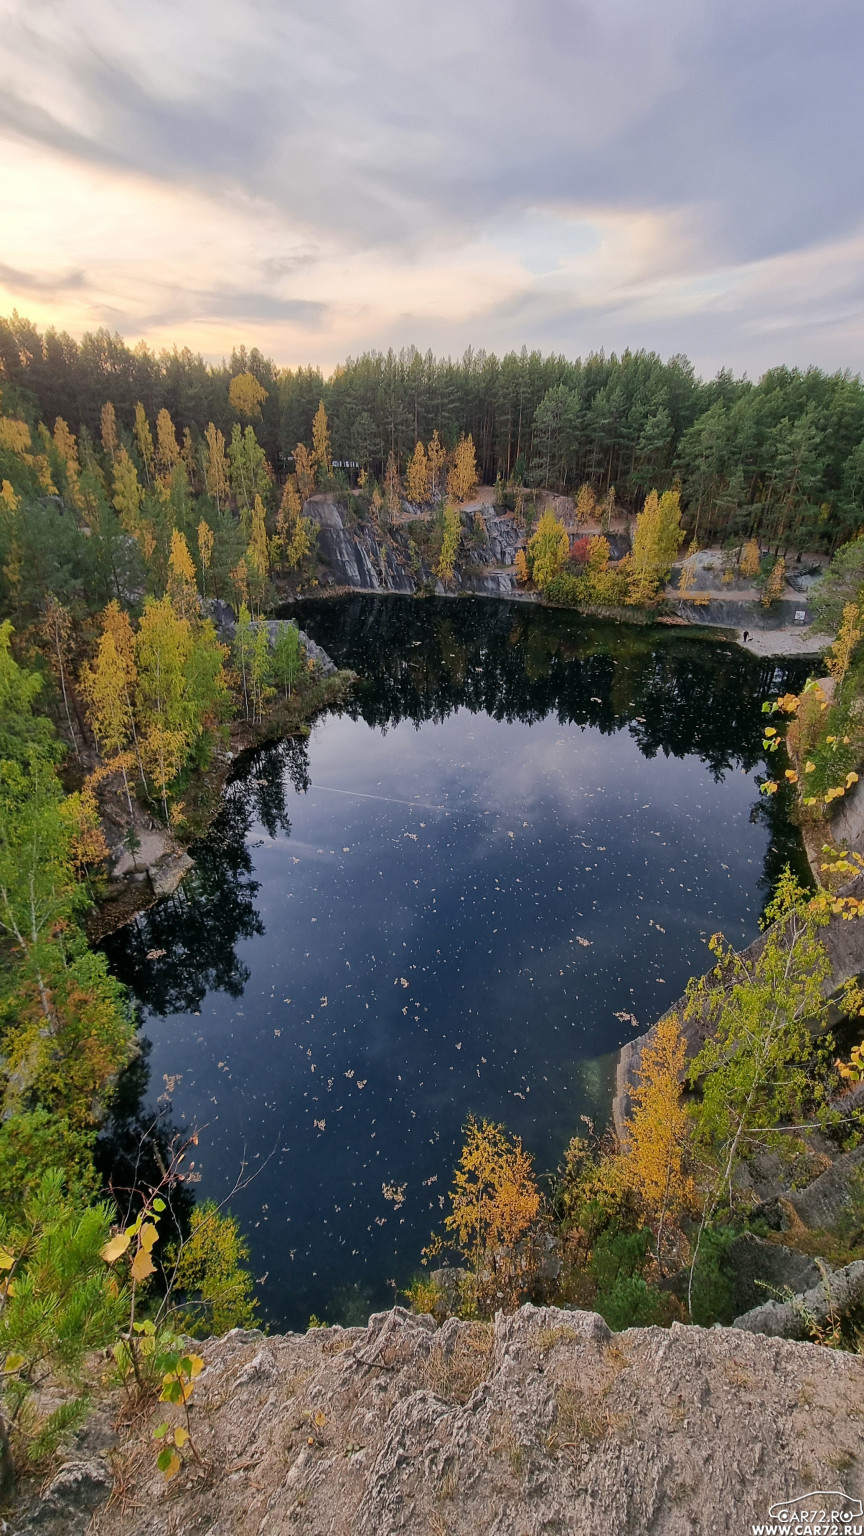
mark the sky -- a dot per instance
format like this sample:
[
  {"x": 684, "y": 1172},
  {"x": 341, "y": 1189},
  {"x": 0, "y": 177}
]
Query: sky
[{"x": 320, "y": 177}]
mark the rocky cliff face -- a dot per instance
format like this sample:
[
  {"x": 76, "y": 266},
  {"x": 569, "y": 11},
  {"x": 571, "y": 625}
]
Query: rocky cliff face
[
  {"x": 844, "y": 942},
  {"x": 544, "y": 1422},
  {"x": 362, "y": 557}
]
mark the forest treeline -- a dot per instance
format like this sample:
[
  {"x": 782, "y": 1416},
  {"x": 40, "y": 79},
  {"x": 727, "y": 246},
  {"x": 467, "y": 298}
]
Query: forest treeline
[{"x": 781, "y": 460}]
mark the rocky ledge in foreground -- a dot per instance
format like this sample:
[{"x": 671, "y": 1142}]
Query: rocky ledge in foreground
[{"x": 543, "y": 1423}]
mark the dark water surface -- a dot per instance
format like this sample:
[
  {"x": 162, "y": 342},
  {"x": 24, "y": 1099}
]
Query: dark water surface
[{"x": 461, "y": 895}]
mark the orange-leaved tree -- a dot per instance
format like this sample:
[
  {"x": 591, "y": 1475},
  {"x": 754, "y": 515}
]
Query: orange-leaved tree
[
  {"x": 462, "y": 478},
  {"x": 655, "y": 1155},
  {"x": 495, "y": 1204}
]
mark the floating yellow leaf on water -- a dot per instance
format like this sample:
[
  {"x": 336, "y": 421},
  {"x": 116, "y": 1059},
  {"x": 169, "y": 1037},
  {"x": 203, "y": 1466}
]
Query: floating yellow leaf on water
[
  {"x": 115, "y": 1247},
  {"x": 142, "y": 1265}
]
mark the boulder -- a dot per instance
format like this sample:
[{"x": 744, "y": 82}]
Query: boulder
[
  {"x": 829, "y": 1204},
  {"x": 757, "y": 1268}
]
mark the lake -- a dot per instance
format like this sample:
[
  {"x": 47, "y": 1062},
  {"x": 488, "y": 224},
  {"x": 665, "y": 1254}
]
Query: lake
[{"x": 502, "y": 859}]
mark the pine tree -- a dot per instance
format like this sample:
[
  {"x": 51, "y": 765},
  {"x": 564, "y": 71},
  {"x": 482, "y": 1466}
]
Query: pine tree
[{"x": 321, "y": 445}]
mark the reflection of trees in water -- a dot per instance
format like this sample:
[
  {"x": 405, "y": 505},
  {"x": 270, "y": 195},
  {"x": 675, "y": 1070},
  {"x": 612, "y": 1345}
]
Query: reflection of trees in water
[
  {"x": 197, "y": 929},
  {"x": 133, "y": 1148},
  {"x": 675, "y": 692}
]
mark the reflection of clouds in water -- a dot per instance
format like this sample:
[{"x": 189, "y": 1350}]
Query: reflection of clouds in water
[{"x": 485, "y": 958}]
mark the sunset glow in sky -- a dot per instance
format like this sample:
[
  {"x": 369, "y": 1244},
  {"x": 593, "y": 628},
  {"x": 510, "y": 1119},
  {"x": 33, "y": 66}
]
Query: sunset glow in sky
[{"x": 320, "y": 178}]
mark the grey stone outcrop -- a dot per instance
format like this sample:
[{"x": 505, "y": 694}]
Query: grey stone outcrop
[
  {"x": 759, "y": 1270},
  {"x": 829, "y": 1203},
  {"x": 157, "y": 859},
  {"x": 361, "y": 556},
  {"x": 836, "y": 1296},
  {"x": 542, "y": 1423}
]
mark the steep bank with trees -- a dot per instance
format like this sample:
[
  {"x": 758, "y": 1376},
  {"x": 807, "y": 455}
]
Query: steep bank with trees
[
  {"x": 735, "y": 1170},
  {"x": 120, "y": 704}
]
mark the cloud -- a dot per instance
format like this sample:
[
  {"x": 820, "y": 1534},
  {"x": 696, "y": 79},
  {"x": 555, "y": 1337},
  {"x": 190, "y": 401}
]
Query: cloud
[
  {"x": 562, "y": 175},
  {"x": 42, "y": 283}
]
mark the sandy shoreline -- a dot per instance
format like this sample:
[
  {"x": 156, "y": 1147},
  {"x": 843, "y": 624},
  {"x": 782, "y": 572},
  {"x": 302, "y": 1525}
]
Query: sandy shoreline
[{"x": 784, "y": 642}]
